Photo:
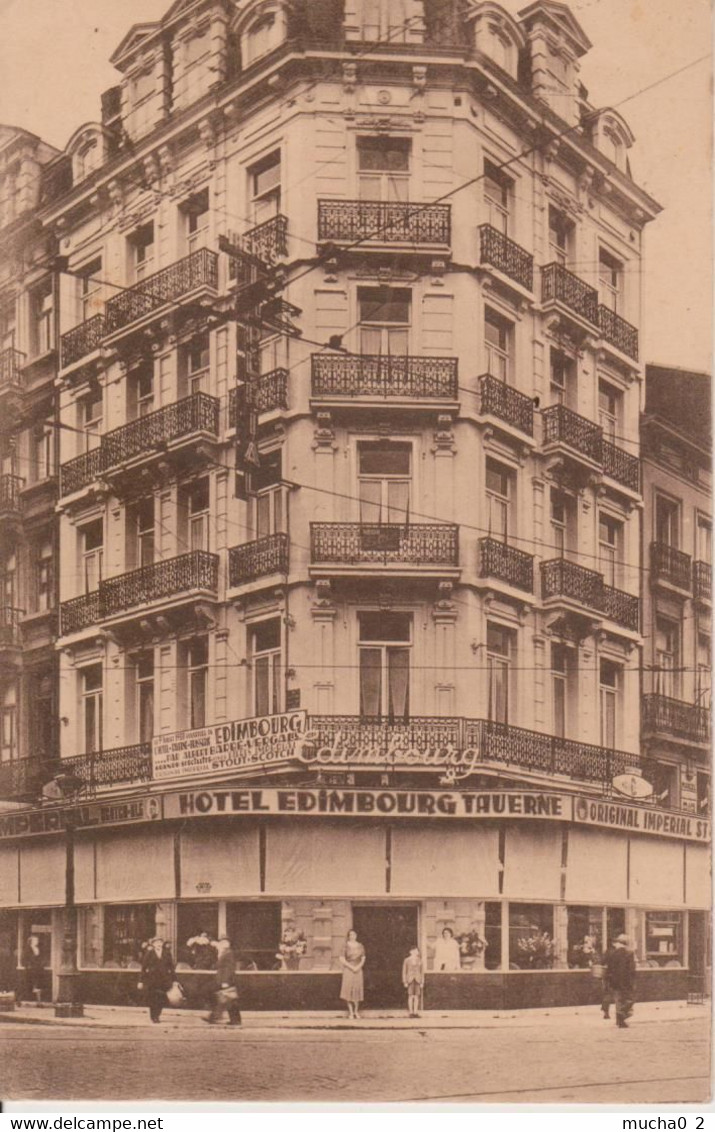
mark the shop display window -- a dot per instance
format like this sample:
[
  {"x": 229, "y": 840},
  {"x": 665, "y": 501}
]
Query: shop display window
[
  {"x": 664, "y": 939},
  {"x": 38, "y": 923},
  {"x": 255, "y": 930},
  {"x": 127, "y": 928},
  {"x": 585, "y": 936},
  {"x": 8, "y": 950},
  {"x": 492, "y": 934},
  {"x": 196, "y": 928},
  {"x": 531, "y": 937}
]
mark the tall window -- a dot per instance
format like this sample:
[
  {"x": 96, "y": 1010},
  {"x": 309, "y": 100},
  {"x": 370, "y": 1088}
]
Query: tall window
[
  {"x": 92, "y": 707},
  {"x": 197, "y": 496},
  {"x": 609, "y": 681},
  {"x": 497, "y": 192},
  {"x": 610, "y": 280},
  {"x": 561, "y": 378},
  {"x": 384, "y": 168},
  {"x": 385, "y": 20},
  {"x": 499, "y": 654},
  {"x": 265, "y": 187},
  {"x": 8, "y": 581},
  {"x": 704, "y": 673},
  {"x": 384, "y": 647},
  {"x": 498, "y": 493},
  {"x": 385, "y": 316},
  {"x": 704, "y": 540},
  {"x": 43, "y": 451},
  {"x": 92, "y": 549},
  {"x": 144, "y": 669},
  {"x": 497, "y": 343},
  {"x": 44, "y": 574},
  {"x": 90, "y": 289},
  {"x": 197, "y": 358},
  {"x": 667, "y": 521},
  {"x": 559, "y": 516},
  {"x": 196, "y": 220},
  {"x": 559, "y": 685},
  {"x": 142, "y": 251},
  {"x": 609, "y": 400},
  {"x": 8, "y": 723},
  {"x": 43, "y": 318},
  {"x": 384, "y": 469},
  {"x": 667, "y": 656},
  {"x": 140, "y": 391},
  {"x": 265, "y": 642},
  {"x": 197, "y": 657},
  {"x": 8, "y": 319},
  {"x": 610, "y": 544},
  {"x": 144, "y": 531},
  {"x": 560, "y": 235},
  {"x": 90, "y": 412}
]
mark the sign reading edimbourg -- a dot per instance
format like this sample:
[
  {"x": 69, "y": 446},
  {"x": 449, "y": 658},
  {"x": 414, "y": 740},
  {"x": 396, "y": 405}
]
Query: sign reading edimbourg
[{"x": 227, "y": 746}]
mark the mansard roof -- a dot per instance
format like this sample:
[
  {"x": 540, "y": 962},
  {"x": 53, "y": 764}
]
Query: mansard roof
[{"x": 561, "y": 15}]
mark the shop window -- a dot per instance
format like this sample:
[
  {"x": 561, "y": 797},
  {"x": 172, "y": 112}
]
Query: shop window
[
  {"x": 384, "y": 470},
  {"x": 91, "y": 684},
  {"x": 194, "y": 922},
  {"x": 610, "y": 547},
  {"x": 615, "y": 925},
  {"x": 560, "y": 236},
  {"x": 128, "y": 928},
  {"x": 703, "y": 789},
  {"x": 497, "y": 197},
  {"x": 384, "y": 168},
  {"x": 384, "y": 316},
  {"x": 254, "y": 929},
  {"x": 266, "y": 661},
  {"x": 37, "y": 922},
  {"x": 492, "y": 934},
  {"x": 500, "y": 647},
  {"x": 531, "y": 937},
  {"x": 585, "y": 936},
  {"x": 384, "y": 647},
  {"x": 499, "y": 492},
  {"x": 265, "y": 187},
  {"x": 664, "y": 939}
]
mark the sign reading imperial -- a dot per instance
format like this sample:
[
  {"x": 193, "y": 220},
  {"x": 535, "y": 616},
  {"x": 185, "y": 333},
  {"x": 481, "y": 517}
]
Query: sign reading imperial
[
  {"x": 615, "y": 815},
  {"x": 227, "y": 746}
]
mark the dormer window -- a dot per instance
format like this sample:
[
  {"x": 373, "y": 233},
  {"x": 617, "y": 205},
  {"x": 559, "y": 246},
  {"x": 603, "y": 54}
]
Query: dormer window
[
  {"x": 495, "y": 34},
  {"x": 261, "y": 30}
]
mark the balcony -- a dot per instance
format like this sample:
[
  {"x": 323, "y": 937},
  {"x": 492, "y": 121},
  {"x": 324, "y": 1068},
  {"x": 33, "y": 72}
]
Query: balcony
[
  {"x": 197, "y": 415},
  {"x": 670, "y": 566},
  {"x": 502, "y": 253},
  {"x": 702, "y": 581},
  {"x": 384, "y": 222},
  {"x": 11, "y": 362},
  {"x": 80, "y": 472},
  {"x": 21, "y": 779},
  {"x": 193, "y": 273},
  {"x": 621, "y": 466},
  {"x": 111, "y": 768},
  {"x": 267, "y": 242},
  {"x": 499, "y": 400},
  {"x": 567, "y": 429},
  {"x": 509, "y": 746},
  {"x": 81, "y": 340},
  {"x": 376, "y": 376},
  {"x": 562, "y": 579},
  {"x": 270, "y": 392},
  {"x": 187, "y": 574},
  {"x": 667, "y": 716},
  {"x": 10, "y": 488},
  {"x": 405, "y": 547},
  {"x": 258, "y": 559},
  {"x": 506, "y": 563},
  {"x": 418, "y": 733},
  {"x": 617, "y": 332},
  {"x": 563, "y": 288},
  {"x": 79, "y": 613},
  {"x": 10, "y": 637}
]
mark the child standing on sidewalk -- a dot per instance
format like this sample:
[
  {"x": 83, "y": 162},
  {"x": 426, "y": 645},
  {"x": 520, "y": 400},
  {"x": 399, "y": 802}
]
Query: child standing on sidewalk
[{"x": 413, "y": 980}]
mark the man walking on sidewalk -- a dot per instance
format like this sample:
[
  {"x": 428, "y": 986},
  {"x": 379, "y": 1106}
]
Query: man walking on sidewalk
[
  {"x": 620, "y": 977},
  {"x": 225, "y": 994}
]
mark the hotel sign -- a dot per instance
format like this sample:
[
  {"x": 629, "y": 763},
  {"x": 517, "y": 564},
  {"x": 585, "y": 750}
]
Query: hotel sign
[
  {"x": 639, "y": 819},
  {"x": 22, "y": 823},
  {"x": 227, "y": 747}
]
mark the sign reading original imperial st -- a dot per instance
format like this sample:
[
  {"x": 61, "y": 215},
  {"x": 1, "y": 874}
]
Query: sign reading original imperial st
[{"x": 228, "y": 746}]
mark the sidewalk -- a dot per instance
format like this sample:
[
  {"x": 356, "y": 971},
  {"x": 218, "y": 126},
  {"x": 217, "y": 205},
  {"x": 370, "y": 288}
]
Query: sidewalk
[{"x": 128, "y": 1017}]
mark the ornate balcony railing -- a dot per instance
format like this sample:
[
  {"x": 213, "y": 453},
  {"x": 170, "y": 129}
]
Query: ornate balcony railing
[
  {"x": 79, "y": 613},
  {"x": 270, "y": 392},
  {"x": 81, "y": 340},
  {"x": 10, "y": 488},
  {"x": 256, "y": 559},
  {"x": 563, "y": 426},
  {"x": 11, "y": 361},
  {"x": 413, "y": 544},
  {"x": 198, "y": 413},
  {"x": 21, "y": 778},
  {"x": 534, "y": 750},
  {"x": 197, "y": 570},
  {"x": 419, "y": 732},
  {"x": 500, "y": 400},
  {"x": 81, "y": 472},
  {"x": 507, "y": 256},
  {"x": 561, "y": 578},
  {"x": 200, "y": 269},
  {"x": 702, "y": 581},
  {"x": 621, "y": 466},
  {"x": 268, "y": 241},
  {"x": 387, "y": 222},
  {"x": 618, "y": 332},
  {"x": 561, "y": 286},
  {"x": 111, "y": 768},
  {"x": 374, "y": 375},
  {"x": 10, "y": 626},
  {"x": 667, "y": 564},
  {"x": 499, "y": 560},
  {"x": 677, "y": 718}
]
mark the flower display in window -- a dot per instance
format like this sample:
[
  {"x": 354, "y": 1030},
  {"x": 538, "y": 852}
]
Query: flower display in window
[
  {"x": 471, "y": 943},
  {"x": 293, "y": 944},
  {"x": 536, "y": 950}
]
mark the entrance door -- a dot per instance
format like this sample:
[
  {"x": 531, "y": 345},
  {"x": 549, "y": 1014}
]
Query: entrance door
[{"x": 387, "y": 932}]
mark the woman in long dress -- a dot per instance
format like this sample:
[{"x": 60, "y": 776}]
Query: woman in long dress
[
  {"x": 352, "y": 988},
  {"x": 446, "y": 952}
]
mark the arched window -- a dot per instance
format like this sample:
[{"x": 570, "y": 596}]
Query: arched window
[{"x": 262, "y": 30}]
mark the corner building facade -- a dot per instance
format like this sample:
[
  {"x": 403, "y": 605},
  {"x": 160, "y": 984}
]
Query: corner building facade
[{"x": 386, "y": 256}]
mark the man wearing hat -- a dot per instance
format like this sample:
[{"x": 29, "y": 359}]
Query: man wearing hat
[
  {"x": 225, "y": 992},
  {"x": 620, "y": 976},
  {"x": 157, "y": 976}
]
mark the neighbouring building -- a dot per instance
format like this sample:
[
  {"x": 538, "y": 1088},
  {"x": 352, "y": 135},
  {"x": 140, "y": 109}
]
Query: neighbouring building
[{"x": 351, "y": 622}]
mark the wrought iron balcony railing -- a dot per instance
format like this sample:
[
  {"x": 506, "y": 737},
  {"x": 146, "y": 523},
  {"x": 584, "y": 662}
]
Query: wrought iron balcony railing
[
  {"x": 500, "y": 400},
  {"x": 267, "y": 242},
  {"x": 618, "y": 332},
  {"x": 669, "y": 716},
  {"x": 196, "y": 571},
  {"x": 111, "y": 768},
  {"x": 561, "y": 578},
  {"x": 257, "y": 559},
  {"x": 702, "y": 581},
  {"x": 21, "y": 778},
  {"x": 79, "y": 613},
  {"x": 499, "y": 560},
  {"x": 200, "y": 269},
  {"x": 558, "y": 285},
  {"x": 270, "y": 392},
  {"x": 81, "y": 471},
  {"x": 419, "y": 732},
  {"x": 11, "y": 361},
  {"x": 508, "y": 257},
  {"x": 375, "y": 375},
  {"x": 386, "y": 222},
  {"x": 81, "y": 340},
  {"x": 563, "y": 426},
  {"x": 10, "y": 626},
  {"x": 410, "y": 544},
  {"x": 198, "y": 413},
  {"x": 621, "y": 466},
  {"x": 667, "y": 564},
  {"x": 550, "y": 754},
  {"x": 10, "y": 488}
]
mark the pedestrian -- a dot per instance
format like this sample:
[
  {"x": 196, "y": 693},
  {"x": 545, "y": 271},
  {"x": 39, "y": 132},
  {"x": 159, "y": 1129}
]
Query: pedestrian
[
  {"x": 34, "y": 966},
  {"x": 621, "y": 975},
  {"x": 607, "y": 993},
  {"x": 225, "y": 992},
  {"x": 352, "y": 988},
  {"x": 413, "y": 979},
  {"x": 446, "y": 952},
  {"x": 157, "y": 976}
]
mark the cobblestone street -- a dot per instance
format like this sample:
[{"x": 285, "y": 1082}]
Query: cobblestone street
[{"x": 547, "y": 1058}]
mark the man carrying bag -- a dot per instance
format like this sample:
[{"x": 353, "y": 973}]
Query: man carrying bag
[
  {"x": 225, "y": 993},
  {"x": 621, "y": 977}
]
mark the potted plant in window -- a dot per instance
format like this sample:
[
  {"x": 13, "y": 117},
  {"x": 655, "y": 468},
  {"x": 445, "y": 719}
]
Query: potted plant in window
[
  {"x": 471, "y": 945},
  {"x": 536, "y": 951},
  {"x": 292, "y": 947}
]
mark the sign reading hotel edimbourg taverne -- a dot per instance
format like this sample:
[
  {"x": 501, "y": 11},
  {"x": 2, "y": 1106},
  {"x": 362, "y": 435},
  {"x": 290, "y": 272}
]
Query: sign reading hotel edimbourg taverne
[{"x": 227, "y": 746}]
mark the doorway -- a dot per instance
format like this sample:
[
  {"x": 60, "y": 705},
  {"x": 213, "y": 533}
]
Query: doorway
[{"x": 387, "y": 932}]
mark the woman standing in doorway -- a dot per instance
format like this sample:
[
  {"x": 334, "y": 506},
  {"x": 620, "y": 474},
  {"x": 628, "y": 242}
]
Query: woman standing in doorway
[{"x": 352, "y": 988}]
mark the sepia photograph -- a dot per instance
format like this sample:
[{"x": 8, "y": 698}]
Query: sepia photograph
[{"x": 355, "y": 552}]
